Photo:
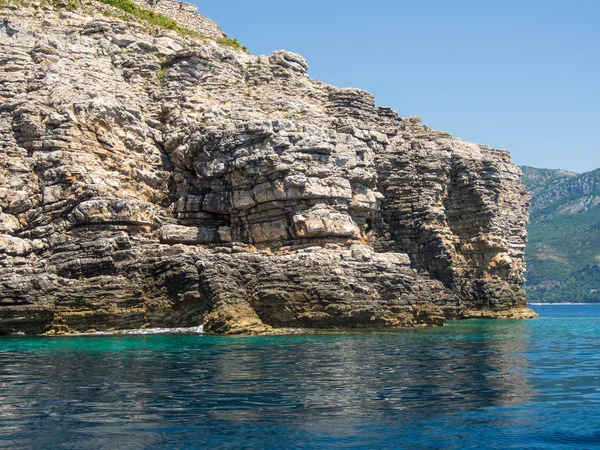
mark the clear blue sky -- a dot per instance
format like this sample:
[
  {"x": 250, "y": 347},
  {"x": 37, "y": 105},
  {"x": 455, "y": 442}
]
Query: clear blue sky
[{"x": 519, "y": 75}]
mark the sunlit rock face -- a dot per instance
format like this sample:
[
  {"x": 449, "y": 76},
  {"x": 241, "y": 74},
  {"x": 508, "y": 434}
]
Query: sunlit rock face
[{"x": 150, "y": 179}]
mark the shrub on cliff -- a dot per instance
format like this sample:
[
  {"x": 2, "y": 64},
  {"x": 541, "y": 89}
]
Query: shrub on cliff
[{"x": 162, "y": 21}]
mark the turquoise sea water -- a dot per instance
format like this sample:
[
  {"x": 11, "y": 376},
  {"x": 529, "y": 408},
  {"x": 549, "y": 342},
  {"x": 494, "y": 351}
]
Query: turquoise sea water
[{"x": 475, "y": 384}]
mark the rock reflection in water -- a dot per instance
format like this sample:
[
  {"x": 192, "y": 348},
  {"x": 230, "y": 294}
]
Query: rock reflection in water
[
  {"x": 420, "y": 373},
  {"x": 164, "y": 391}
]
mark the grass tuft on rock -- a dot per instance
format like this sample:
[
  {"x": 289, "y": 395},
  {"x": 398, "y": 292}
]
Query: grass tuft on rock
[
  {"x": 145, "y": 14},
  {"x": 162, "y": 21}
]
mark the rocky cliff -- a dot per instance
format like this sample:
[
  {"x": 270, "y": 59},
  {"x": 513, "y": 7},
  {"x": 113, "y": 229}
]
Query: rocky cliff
[{"x": 156, "y": 177}]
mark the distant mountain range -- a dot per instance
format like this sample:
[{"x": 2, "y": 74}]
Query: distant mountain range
[{"x": 563, "y": 254}]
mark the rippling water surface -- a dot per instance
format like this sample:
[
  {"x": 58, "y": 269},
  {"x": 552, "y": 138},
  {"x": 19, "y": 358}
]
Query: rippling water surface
[{"x": 476, "y": 384}]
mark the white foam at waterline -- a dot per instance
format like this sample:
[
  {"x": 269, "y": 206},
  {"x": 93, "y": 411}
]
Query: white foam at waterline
[{"x": 181, "y": 330}]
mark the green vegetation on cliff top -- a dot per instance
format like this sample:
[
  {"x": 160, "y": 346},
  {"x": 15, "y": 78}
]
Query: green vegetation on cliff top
[
  {"x": 563, "y": 254},
  {"x": 162, "y": 21},
  {"x": 154, "y": 18}
]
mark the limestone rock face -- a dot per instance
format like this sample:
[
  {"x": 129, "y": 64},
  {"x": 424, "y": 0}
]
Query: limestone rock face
[{"x": 153, "y": 179}]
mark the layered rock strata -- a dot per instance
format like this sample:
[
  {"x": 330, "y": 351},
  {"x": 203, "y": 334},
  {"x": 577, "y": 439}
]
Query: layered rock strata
[{"x": 153, "y": 179}]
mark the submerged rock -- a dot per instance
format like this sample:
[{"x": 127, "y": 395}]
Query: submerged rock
[{"x": 152, "y": 179}]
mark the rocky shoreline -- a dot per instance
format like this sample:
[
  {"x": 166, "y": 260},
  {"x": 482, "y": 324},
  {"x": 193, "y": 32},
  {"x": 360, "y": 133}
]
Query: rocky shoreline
[{"x": 150, "y": 178}]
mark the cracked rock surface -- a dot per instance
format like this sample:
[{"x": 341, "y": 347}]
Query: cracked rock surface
[{"x": 153, "y": 179}]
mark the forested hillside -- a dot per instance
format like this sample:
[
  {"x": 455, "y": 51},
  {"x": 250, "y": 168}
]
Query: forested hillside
[{"x": 563, "y": 254}]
